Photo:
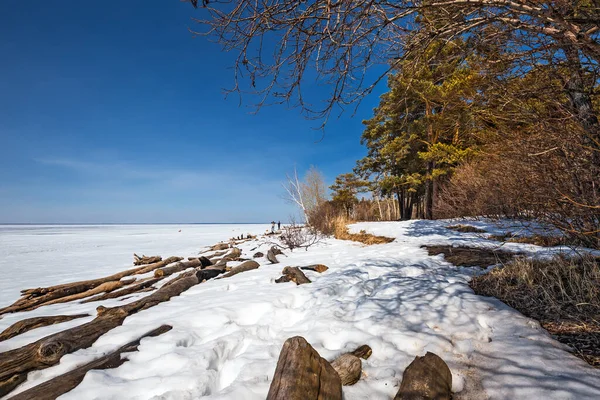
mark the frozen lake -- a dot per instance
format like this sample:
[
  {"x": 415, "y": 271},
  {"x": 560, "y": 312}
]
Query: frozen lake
[{"x": 43, "y": 255}]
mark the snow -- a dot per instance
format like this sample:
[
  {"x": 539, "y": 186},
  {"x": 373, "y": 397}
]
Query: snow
[{"x": 227, "y": 334}]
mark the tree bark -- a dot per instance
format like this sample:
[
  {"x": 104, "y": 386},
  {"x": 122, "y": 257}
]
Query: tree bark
[
  {"x": 64, "y": 383},
  {"x": 302, "y": 374}
]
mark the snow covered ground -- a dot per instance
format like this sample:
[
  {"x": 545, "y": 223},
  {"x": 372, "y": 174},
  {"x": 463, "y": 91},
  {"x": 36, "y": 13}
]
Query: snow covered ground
[{"x": 227, "y": 334}]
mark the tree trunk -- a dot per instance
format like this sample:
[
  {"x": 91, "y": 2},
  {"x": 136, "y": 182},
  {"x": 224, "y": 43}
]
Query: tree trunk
[
  {"x": 302, "y": 374},
  {"x": 62, "y": 384},
  {"x": 49, "y": 350}
]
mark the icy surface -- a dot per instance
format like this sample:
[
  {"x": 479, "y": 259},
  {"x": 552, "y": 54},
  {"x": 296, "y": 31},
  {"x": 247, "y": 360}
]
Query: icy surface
[{"x": 227, "y": 334}]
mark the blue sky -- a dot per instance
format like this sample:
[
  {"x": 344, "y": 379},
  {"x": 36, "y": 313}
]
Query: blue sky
[{"x": 113, "y": 112}]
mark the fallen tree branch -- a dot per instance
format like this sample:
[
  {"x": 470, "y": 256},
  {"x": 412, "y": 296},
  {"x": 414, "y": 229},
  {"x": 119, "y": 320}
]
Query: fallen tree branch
[{"x": 137, "y": 260}]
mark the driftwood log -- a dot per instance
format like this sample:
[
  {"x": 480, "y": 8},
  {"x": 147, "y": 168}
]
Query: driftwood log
[
  {"x": 294, "y": 274},
  {"x": 61, "y": 384},
  {"x": 245, "y": 266},
  {"x": 258, "y": 254},
  {"x": 140, "y": 286},
  {"x": 302, "y": 374},
  {"x": 220, "y": 246},
  {"x": 320, "y": 268},
  {"x": 177, "y": 267},
  {"x": 31, "y": 323},
  {"x": 15, "y": 364},
  {"x": 137, "y": 260},
  {"x": 272, "y": 257},
  {"x": 426, "y": 378},
  {"x": 34, "y": 298}
]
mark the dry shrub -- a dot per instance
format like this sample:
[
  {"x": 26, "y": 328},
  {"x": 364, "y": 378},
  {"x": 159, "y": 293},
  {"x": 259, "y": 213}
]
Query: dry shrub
[
  {"x": 562, "y": 293},
  {"x": 544, "y": 171},
  {"x": 341, "y": 232},
  {"x": 465, "y": 228},
  {"x": 538, "y": 240},
  {"x": 471, "y": 256}
]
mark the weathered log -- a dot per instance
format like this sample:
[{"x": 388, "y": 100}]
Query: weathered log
[
  {"x": 106, "y": 287},
  {"x": 235, "y": 253},
  {"x": 7, "y": 385},
  {"x": 220, "y": 246},
  {"x": 245, "y": 266},
  {"x": 61, "y": 384},
  {"x": 35, "y": 297},
  {"x": 143, "y": 260},
  {"x": 138, "y": 287},
  {"x": 426, "y": 378},
  {"x": 302, "y": 374},
  {"x": 177, "y": 267},
  {"x": 363, "y": 352},
  {"x": 258, "y": 254},
  {"x": 49, "y": 350},
  {"x": 295, "y": 275},
  {"x": 348, "y": 367},
  {"x": 31, "y": 323},
  {"x": 271, "y": 257},
  {"x": 320, "y": 268}
]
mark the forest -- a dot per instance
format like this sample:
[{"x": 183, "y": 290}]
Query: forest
[{"x": 491, "y": 108}]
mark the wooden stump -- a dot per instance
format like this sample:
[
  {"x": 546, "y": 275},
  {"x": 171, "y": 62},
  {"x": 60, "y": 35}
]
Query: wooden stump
[
  {"x": 302, "y": 374},
  {"x": 426, "y": 378}
]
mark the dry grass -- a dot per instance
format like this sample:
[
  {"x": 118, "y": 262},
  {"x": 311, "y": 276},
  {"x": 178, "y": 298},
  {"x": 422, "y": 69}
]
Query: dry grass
[
  {"x": 562, "y": 293},
  {"x": 471, "y": 256},
  {"x": 465, "y": 228},
  {"x": 538, "y": 240},
  {"x": 341, "y": 232}
]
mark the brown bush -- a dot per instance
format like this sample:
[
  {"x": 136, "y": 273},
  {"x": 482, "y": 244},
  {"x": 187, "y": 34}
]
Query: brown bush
[{"x": 562, "y": 293}]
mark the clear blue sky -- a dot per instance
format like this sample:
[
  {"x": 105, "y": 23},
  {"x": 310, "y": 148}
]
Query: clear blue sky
[{"x": 113, "y": 112}]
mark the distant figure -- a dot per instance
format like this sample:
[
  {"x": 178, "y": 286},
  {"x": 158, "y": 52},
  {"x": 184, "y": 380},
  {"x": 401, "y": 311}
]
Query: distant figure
[
  {"x": 272, "y": 226},
  {"x": 278, "y": 225}
]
